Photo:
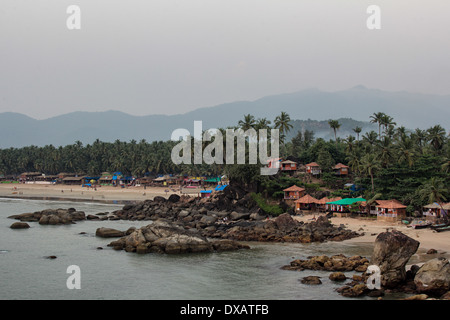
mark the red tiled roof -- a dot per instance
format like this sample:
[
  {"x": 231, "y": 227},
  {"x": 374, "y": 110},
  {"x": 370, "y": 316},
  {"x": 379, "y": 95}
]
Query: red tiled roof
[
  {"x": 324, "y": 200},
  {"x": 312, "y": 164},
  {"x": 390, "y": 204},
  {"x": 294, "y": 188},
  {"x": 307, "y": 199},
  {"x": 340, "y": 165}
]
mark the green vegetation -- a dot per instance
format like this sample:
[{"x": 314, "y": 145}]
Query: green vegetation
[
  {"x": 412, "y": 166},
  {"x": 273, "y": 210}
]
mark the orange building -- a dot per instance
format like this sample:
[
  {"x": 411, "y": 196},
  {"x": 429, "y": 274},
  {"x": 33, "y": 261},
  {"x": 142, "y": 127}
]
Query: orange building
[
  {"x": 390, "y": 210},
  {"x": 293, "y": 193},
  {"x": 288, "y": 165},
  {"x": 313, "y": 168},
  {"x": 341, "y": 169},
  {"x": 306, "y": 202}
]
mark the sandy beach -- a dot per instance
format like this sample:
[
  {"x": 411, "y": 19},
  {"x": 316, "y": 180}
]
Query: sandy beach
[
  {"x": 77, "y": 192},
  {"x": 428, "y": 238}
]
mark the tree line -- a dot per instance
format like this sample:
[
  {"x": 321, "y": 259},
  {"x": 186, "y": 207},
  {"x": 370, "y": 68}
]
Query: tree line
[{"x": 410, "y": 165}]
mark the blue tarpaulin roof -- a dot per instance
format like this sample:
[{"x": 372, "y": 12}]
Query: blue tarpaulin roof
[{"x": 220, "y": 187}]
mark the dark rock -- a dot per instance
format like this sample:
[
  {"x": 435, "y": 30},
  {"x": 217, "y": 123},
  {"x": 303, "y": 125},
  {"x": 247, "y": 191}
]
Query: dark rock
[
  {"x": 337, "y": 276},
  {"x": 174, "y": 198},
  {"x": 285, "y": 222},
  {"x": 432, "y": 251},
  {"x": 159, "y": 199},
  {"x": 20, "y": 225},
  {"x": 109, "y": 233},
  {"x": 166, "y": 237},
  {"x": 445, "y": 296},
  {"x": 433, "y": 277},
  {"x": 392, "y": 250},
  {"x": 314, "y": 280},
  {"x": 353, "y": 291}
]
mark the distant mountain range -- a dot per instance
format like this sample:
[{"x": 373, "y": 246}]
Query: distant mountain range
[{"x": 353, "y": 106}]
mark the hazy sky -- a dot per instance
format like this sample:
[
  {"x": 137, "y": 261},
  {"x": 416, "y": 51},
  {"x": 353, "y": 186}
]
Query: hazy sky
[{"x": 172, "y": 56}]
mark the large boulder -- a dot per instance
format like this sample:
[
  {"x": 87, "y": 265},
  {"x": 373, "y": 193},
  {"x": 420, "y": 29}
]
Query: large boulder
[
  {"x": 109, "y": 233},
  {"x": 285, "y": 222},
  {"x": 433, "y": 277},
  {"x": 392, "y": 250}
]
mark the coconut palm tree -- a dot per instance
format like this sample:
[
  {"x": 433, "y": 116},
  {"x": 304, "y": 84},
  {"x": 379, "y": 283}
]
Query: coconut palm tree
[
  {"x": 370, "y": 165},
  {"x": 433, "y": 191},
  {"x": 377, "y": 118},
  {"x": 335, "y": 125},
  {"x": 247, "y": 123},
  {"x": 387, "y": 121},
  {"x": 282, "y": 123},
  {"x": 436, "y": 136},
  {"x": 357, "y": 130}
]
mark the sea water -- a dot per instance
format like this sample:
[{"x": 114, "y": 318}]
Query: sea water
[{"x": 27, "y": 272}]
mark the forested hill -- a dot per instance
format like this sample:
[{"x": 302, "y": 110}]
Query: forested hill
[{"x": 410, "y": 110}]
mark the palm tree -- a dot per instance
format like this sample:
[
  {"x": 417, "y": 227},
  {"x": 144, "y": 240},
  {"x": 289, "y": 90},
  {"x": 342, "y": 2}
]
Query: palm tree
[
  {"x": 357, "y": 130},
  {"x": 262, "y": 123},
  {"x": 419, "y": 137},
  {"x": 377, "y": 118},
  {"x": 387, "y": 121},
  {"x": 282, "y": 123},
  {"x": 433, "y": 191},
  {"x": 436, "y": 136},
  {"x": 446, "y": 164},
  {"x": 370, "y": 164},
  {"x": 369, "y": 139},
  {"x": 335, "y": 125},
  {"x": 385, "y": 151},
  {"x": 406, "y": 152},
  {"x": 247, "y": 123},
  {"x": 372, "y": 201}
]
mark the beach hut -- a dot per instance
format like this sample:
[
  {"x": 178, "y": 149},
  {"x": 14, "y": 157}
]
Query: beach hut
[
  {"x": 306, "y": 202},
  {"x": 205, "y": 193},
  {"x": 288, "y": 166},
  {"x": 390, "y": 210},
  {"x": 313, "y": 168},
  {"x": 73, "y": 180},
  {"x": 341, "y": 169},
  {"x": 293, "y": 193},
  {"x": 322, "y": 204},
  {"x": 434, "y": 211},
  {"x": 343, "y": 205},
  {"x": 212, "y": 181}
]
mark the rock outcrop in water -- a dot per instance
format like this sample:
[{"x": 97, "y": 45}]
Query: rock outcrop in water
[
  {"x": 392, "y": 251},
  {"x": 52, "y": 216},
  {"x": 231, "y": 214},
  {"x": 433, "y": 277},
  {"x": 167, "y": 237}
]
